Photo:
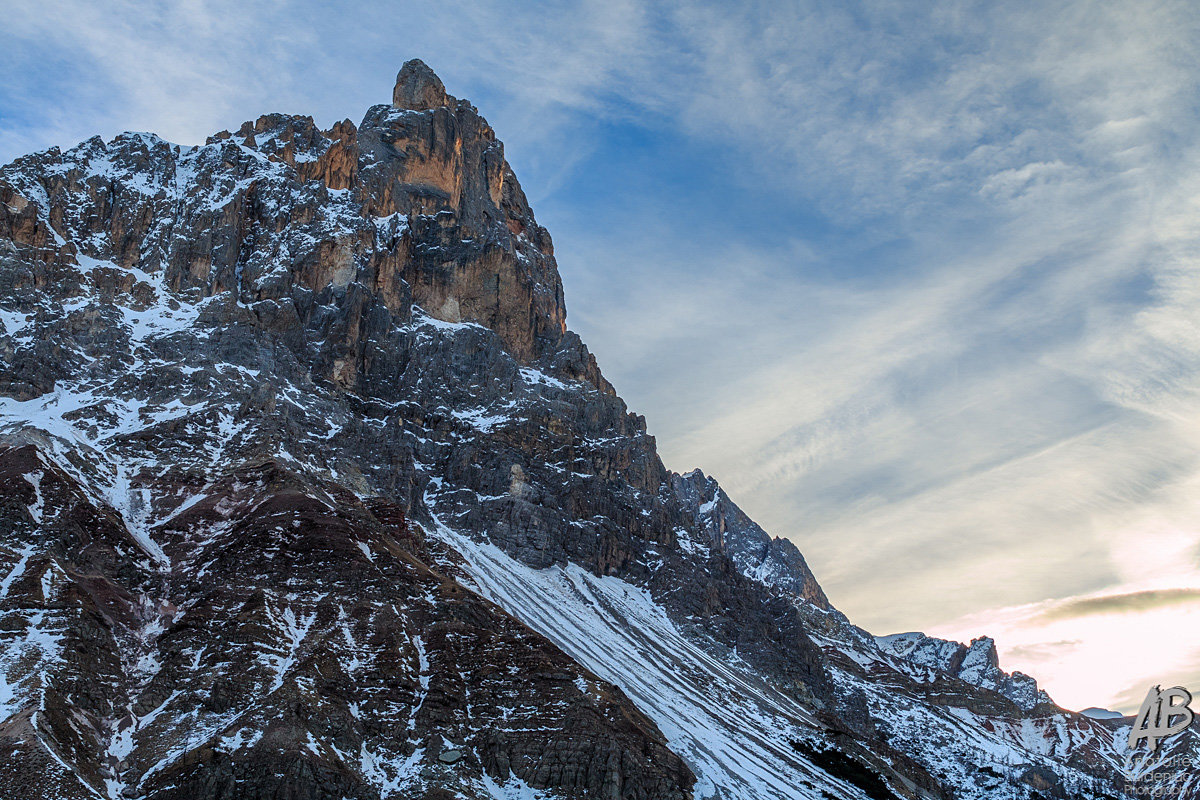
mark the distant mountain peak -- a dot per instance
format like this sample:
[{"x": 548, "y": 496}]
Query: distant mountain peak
[{"x": 978, "y": 664}]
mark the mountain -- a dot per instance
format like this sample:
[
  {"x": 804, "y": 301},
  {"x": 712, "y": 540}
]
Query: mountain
[{"x": 311, "y": 493}]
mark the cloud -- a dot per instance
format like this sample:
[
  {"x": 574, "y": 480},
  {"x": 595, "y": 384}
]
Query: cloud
[
  {"x": 170, "y": 68},
  {"x": 1124, "y": 603}
]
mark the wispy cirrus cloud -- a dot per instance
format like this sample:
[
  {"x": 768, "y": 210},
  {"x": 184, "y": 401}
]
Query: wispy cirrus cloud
[{"x": 1145, "y": 600}]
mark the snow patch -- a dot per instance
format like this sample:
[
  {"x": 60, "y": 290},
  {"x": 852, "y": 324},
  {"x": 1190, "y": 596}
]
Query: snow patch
[{"x": 535, "y": 376}]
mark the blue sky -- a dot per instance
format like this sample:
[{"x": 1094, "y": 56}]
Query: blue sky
[{"x": 916, "y": 282}]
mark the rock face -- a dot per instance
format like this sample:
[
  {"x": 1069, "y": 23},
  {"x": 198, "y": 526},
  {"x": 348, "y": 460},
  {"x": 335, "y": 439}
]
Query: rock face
[
  {"x": 310, "y": 493},
  {"x": 773, "y": 561},
  {"x": 977, "y": 664},
  {"x": 297, "y": 632},
  {"x": 418, "y": 88}
]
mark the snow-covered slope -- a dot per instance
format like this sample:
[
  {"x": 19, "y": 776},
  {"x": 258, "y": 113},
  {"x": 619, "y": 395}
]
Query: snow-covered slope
[{"x": 734, "y": 728}]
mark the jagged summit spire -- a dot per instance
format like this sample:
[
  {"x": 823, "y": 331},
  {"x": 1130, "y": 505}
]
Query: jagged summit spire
[{"x": 418, "y": 88}]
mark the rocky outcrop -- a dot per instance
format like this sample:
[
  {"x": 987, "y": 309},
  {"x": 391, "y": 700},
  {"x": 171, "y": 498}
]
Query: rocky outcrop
[
  {"x": 773, "y": 561},
  {"x": 977, "y": 664},
  {"x": 418, "y": 88}
]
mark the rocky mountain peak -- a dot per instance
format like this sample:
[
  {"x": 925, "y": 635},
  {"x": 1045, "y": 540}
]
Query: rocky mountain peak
[
  {"x": 310, "y": 493},
  {"x": 418, "y": 88}
]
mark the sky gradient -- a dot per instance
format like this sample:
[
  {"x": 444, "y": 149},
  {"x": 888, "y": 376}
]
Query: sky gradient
[{"x": 916, "y": 282}]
